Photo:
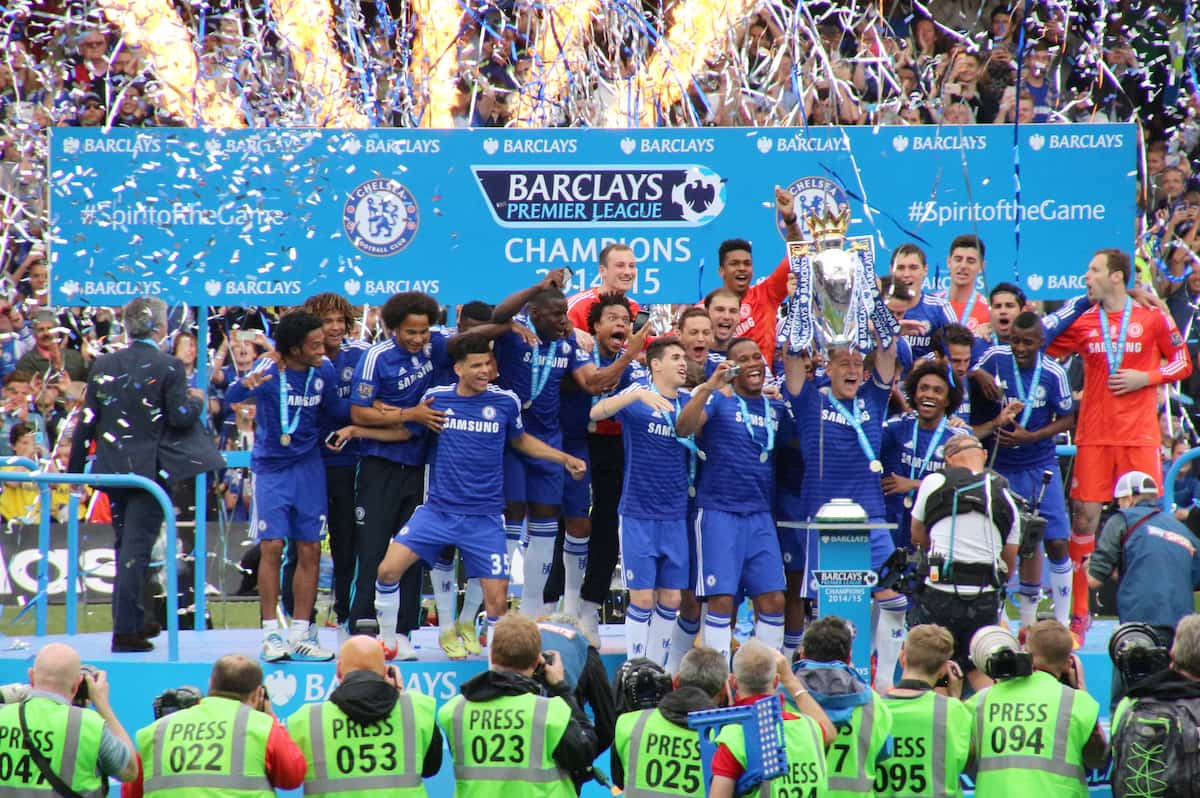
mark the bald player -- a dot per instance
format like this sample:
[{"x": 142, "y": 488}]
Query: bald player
[
  {"x": 63, "y": 730},
  {"x": 369, "y": 706}
]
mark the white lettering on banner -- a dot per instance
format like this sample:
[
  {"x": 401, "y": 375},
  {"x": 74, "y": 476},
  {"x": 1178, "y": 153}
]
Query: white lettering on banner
[
  {"x": 587, "y": 250},
  {"x": 1003, "y": 210},
  {"x": 135, "y": 146},
  {"x": 262, "y": 143},
  {"x": 119, "y": 287},
  {"x": 19, "y": 574},
  {"x": 584, "y": 187},
  {"x": 263, "y": 287},
  {"x": 390, "y": 287},
  {"x": 442, "y": 685},
  {"x": 180, "y": 214},
  {"x": 392, "y": 146},
  {"x": 902, "y": 142},
  {"x": 1073, "y": 282},
  {"x": 1085, "y": 141},
  {"x": 801, "y": 143},
  {"x": 540, "y": 146},
  {"x": 678, "y": 145}
]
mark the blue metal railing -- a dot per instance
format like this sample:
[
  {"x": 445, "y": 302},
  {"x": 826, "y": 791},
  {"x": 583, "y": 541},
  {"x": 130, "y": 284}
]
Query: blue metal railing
[
  {"x": 45, "y": 482},
  {"x": 1173, "y": 474}
]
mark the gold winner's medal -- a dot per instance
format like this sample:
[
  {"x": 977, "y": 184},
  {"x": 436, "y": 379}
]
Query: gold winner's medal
[
  {"x": 876, "y": 467},
  {"x": 285, "y": 439}
]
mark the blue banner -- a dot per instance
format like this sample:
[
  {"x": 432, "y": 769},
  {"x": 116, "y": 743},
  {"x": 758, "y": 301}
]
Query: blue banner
[{"x": 269, "y": 217}]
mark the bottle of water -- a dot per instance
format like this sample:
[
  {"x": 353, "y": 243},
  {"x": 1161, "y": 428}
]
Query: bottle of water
[{"x": 325, "y": 586}]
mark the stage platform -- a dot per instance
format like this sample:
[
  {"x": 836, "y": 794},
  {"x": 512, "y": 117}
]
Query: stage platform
[{"x": 137, "y": 678}]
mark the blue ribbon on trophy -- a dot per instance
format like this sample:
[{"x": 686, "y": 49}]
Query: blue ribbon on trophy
[{"x": 837, "y": 297}]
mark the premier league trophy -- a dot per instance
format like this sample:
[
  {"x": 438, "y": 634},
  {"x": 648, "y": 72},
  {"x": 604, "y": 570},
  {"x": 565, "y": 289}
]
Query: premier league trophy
[{"x": 837, "y": 296}]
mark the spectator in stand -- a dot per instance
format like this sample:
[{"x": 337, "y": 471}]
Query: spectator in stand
[
  {"x": 18, "y": 393},
  {"x": 50, "y": 356},
  {"x": 19, "y": 501},
  {"x": 184, "y": 348}
]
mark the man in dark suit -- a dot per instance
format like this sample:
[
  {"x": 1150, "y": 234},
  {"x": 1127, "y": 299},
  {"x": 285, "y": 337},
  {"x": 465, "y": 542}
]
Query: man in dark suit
[{"x": 135, "y": 397}]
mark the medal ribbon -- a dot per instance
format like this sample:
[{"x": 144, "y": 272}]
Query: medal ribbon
[
  {"x": 1033, "y": 383},
  {"x": 768, "y": 422},
  {"x": 853, "y": 421},
  {"x": 1115, "y": 357},
  {"x": 287, "y": 426}
]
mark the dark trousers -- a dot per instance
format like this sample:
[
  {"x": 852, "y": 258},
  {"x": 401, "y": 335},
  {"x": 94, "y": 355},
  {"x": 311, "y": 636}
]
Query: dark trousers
[
  {"x": 137, "y": 518},
  {"x": 608, "y": 470},
  {"x": 339, "y": 489},
  {"x": 385, "y": 495}
]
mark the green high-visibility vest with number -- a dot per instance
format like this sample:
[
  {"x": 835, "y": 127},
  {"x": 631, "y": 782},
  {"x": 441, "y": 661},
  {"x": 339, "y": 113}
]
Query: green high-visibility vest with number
[
  {"x": 852, "y": 755},
  {"x": 931, "y": 743},
  {"x": 806, "y": 776},
  {"x": 508, "y": 740},
  {"x": 216, "y": 749},
  {"x": 348, "y": 759},
  {"x": 659, "y": 757},
  {"x": 1029, "y": 737},
  {"x": 69, "y": 737}
]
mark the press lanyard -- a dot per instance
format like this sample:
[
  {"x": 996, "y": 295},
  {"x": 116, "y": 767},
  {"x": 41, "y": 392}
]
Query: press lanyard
[
  {"x": 767, "y": 422},
  {"x": 287, "y": 426},
  {"x": 1033, "y": 384},
  {"x": 1115, "y": 358},
  {"x": 863, "y": 443}
]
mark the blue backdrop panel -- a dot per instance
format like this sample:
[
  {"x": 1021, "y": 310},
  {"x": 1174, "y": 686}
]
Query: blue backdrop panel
[{"x": 272, "y": 216}]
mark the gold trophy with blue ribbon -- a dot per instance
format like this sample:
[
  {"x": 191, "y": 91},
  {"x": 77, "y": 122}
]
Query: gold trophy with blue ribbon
[{"x": 837, "y": 297}]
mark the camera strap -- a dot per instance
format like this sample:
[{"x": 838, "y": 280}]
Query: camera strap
[{"x": 39, "y": 759}]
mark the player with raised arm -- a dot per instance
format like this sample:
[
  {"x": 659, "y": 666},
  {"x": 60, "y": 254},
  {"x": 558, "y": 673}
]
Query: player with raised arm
[
  {"x": 659, "y": 474},
  {"x": 737, "y": 548},
  {"x": 534, "y": 490},
  {"x": 466, "y": 485},
  {"x": 1123, "y": 346},
  {"x": 289, "y": 476},
  {"x": 841, "y": 432}
]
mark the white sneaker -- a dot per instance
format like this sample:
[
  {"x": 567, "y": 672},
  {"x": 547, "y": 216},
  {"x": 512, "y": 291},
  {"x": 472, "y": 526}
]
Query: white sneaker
[
  {"x": 307, "y": 649},
  {"x": 274, "y": 649},
  {"x": 343, "y": 633},
  {"x": 403, "y": 648}
]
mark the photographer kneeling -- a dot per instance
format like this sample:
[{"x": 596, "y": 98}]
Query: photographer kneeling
[
  {"x": 518, "y": 724},
  {"x": 968, "y": 523},
  {"x": 1036, "y": 728}
]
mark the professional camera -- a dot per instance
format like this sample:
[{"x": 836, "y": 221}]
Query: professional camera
[
  {"x": 997, "y": 653},
  {"x": 640, "y": 684},
  {"x": 175, "y": 699},
  {"x": 1136, "y": 652},
  {"x": 80, "y": 699}
]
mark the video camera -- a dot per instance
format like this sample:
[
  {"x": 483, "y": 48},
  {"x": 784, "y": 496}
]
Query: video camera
[
  {"x": 1137, "y": 652},
  {"x": 1033, "y": 525},
  {"x": 997, "y": 653}
]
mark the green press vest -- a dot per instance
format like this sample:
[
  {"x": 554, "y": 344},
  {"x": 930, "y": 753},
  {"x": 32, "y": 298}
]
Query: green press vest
[
  {"x": 932, "y": 742},
  {"x": 347, "y": 759},
  {"x": 659, "y": 757},
  {"x": 851, "y": 757},
  {"x": 68, "y": 736},
  {"x": 216, "y": 749},
  {"x": 1029, "y": 738},
  {"x": 508, "y": 740},
  {"x": 806, "y": 776}
]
